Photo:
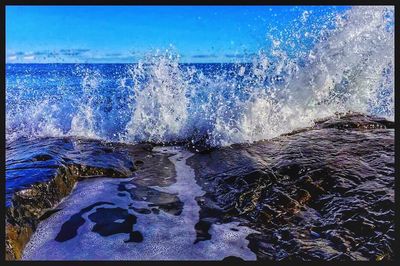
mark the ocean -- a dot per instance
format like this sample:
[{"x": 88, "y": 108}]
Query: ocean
[{"x": 346, "y": 68}]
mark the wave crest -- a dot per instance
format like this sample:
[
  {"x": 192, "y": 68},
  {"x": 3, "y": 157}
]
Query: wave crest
[{"x": 345, "y": 66}]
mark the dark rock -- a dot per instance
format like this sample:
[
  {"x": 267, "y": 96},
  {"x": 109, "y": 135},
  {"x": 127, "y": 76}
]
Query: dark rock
[
  {"x": 48, "y": 213},
  {"x": 135, "y": 236},
  {"x": 314, "y": 234},
  {"x": 167, "y": 202},
  {"x": 138, "y": 162},
  {"x": 69, "y": 228},
  {"x": 202, "y": 228},
  {"x": 39, "y": 173},
  {"x": 155, "y": 210},
  {"x": 232, "y": 259},
  {"x": 141, "y": 210},
  {"x": 106, "y": 225},
  {"x": 321, "y": 193},
  {"x": 355, "y": 121},
  {"x": 42, "y": 157}
]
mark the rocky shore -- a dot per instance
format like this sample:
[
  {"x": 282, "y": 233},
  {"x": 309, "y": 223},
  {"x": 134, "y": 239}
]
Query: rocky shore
[
  {"x": 320, "y": 193},
  {"x": 39, "y": 173}
]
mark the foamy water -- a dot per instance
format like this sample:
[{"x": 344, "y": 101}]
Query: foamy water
[
  {"x": 348, "y": 68},
  {"x": 165, "y": 236}
]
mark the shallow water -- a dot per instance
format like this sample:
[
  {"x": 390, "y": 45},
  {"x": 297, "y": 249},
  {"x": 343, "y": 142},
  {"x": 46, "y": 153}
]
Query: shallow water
[{"x": 153, "y": 234}]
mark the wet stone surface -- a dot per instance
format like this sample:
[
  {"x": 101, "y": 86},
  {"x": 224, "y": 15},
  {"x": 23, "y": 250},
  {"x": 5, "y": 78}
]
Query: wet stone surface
[
  {"x": 69, "y": 228},
  {"x": 321, "y": 193},
  {"x": 136, "y": 222},
  {"x": 157, "y": 199},
  {"x": 40, "y": 172},
  {"x": 325, "y": 193},
  {"x": 115, "y": 221}
]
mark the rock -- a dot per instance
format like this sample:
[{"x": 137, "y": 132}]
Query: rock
[
  {"x": 42, "y": 157},
  {"x": 336, "y": 178},
  {"x": 355, "y": 121},
  {"x": 37, "y": 181},
  {"x": 314, "y": 234},
  {"x": 320, "y": 193},
  {"x": 232, "y": 259}
]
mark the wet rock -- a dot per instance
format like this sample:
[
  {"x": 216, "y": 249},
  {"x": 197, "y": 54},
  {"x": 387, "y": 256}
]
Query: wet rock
[
  {"x": 302, "y": 196},
  {"x": 39, "y": 173},
  {"x": 135, "y": 236},
  {"x": 139, "y": 162},
  {"x": 232, "y": 259},
  {"x": 355, "y": 121},
  {"x": 48, "y": 213},
  {"x": 141, "y": 210},
  {"x": 42, "y": 157},
  {"x": 314, "y": 234},
  {"x": 321, "y": 193},
  {"x": 69, "y": 228},
  {"x": 202, "y": 228},
  {"x": 167, "y": 202},
  {"x": 106, "y": 222}
]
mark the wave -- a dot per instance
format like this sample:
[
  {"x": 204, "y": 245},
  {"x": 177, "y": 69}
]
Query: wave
[{"x": 307, "y": 74}]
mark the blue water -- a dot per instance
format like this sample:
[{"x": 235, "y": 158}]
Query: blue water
[
  {"x": 54, "y": 94},
  {"x": 348, "y": 67}
]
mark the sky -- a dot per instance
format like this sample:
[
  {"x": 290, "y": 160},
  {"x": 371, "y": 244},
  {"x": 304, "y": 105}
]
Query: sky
[{"x": 126, "y": 34}]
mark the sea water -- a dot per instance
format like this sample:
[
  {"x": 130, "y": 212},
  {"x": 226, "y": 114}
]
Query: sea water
[{"x": 343, "y": 62}]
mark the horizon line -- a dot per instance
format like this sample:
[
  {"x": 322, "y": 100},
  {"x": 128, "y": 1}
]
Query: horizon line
[{"x": 115, "y": 63}]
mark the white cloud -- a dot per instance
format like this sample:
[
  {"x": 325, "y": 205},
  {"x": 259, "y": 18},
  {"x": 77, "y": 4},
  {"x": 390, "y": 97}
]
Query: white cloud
[
  {"x": 29, "y": 57},
  {"x": 12, "y": 58}
]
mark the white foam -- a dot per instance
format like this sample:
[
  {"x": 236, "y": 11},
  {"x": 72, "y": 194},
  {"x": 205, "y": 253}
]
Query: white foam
[
  {"x": 165, "y": 236},
  {"x": 348, "y": 68}
]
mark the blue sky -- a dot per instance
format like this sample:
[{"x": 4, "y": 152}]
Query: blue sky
[{"x": 112, "y": 34}]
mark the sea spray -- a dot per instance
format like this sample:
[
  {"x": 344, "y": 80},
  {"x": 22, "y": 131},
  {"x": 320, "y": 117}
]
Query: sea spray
[
  {"x": 161, "y": 102},
  {"x": 308, "y": 72},
  {"x": 83, "y": 122}
]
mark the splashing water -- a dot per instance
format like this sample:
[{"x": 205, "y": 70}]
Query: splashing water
[
  {"x": 309, "y": 72},
  {"x": 160, "y": 101}
]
